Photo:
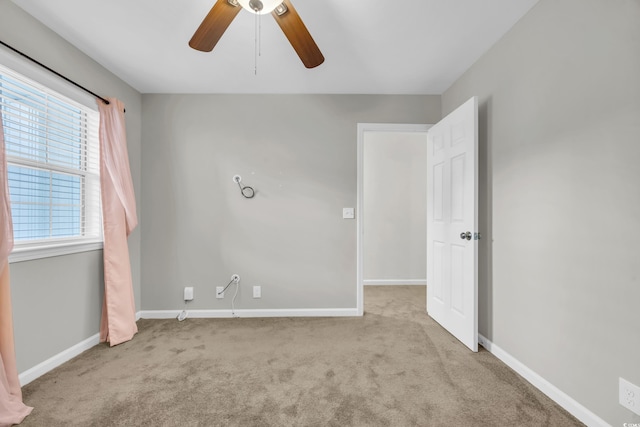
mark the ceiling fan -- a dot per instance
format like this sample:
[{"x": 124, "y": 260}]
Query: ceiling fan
[{"x": 224, "y": 11}]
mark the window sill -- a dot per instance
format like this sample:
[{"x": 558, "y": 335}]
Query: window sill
[{"x": 27, "y": 253}]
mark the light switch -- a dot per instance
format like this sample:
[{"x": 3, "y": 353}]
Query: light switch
[{"x": 348, "y": 213}]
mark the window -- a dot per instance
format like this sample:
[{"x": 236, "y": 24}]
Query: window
[{"x": 53, "y": 169}]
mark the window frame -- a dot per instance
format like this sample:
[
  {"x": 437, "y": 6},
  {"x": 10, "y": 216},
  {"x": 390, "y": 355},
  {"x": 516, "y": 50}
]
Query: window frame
[{"x": 54, "y": 246}]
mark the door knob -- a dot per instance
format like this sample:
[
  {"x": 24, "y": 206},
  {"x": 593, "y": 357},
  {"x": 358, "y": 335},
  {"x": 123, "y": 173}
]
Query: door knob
[{"x": 466, "y": 235}]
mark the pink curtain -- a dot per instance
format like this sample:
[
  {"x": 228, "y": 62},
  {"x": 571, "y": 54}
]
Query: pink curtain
[
  {"x": 118, "y": 323},
  {"x": 12, "y": 410}
]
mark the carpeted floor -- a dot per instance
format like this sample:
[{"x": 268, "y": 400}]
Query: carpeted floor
[{"x": 393, "y": 367}]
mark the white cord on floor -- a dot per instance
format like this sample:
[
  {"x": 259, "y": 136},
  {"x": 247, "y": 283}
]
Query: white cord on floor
[
  {"x": 183, "y": 315},
  {"x": 233, "y": 314}
]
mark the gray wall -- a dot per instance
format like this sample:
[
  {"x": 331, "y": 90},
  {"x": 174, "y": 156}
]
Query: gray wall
[
  {"x": 53, "y": 306},
  {"x": 395, "y": 205},
  {"x": 560, "y": 132},
  {"x": 299, "y": 153}
]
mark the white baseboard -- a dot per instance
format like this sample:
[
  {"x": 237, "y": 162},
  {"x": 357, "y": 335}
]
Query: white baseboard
[
  {"x": 216, "y": 314},
  {"x": 557, "y": 395},
  {"x": 392, "y": 282},
  {"x": 53, "y": 362}
]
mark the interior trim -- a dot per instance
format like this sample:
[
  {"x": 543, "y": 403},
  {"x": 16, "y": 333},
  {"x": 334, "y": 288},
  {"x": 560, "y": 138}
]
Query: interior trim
[
  {"x": 553, "y": 392},
  {"x": 394, "y": 282},
  {"x": 27, "y": 253},
  {"x": 361, "y": 129},
  {"x": 214, "y": 314},
  {"x": 53, "y": 362}
]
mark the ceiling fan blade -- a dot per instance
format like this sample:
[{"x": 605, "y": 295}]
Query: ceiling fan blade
[
  {"x": 298, "y": 35},
  {"x": 214, "y": 25}
]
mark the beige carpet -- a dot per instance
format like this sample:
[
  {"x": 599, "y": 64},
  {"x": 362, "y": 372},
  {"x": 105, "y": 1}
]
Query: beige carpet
[{"x": 393, "y": 367}]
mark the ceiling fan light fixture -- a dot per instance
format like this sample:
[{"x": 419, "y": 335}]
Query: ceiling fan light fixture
[
  {"x": 260, "y": 7},
  {"x": 223, "y": 13}
]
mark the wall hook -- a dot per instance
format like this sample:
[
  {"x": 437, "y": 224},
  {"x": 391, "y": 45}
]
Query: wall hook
[{"x": 246, "y": 191}]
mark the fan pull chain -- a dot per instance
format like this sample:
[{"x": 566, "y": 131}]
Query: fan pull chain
[
  {"x": 257, "y": 42},
  {"x": 259, "y": 35}
]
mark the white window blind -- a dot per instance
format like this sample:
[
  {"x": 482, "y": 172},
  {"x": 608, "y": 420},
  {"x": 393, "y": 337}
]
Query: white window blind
[{"x": 53, "y": 164}]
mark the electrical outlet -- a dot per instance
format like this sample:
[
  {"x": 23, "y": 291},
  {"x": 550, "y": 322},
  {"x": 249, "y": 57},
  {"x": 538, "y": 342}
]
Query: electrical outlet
[
  {"x": 257, "y": 292},
  {"x": 630, "y": 396},
  {"x": 188, "y": 293},
  {"x": 219, "y": 292}
]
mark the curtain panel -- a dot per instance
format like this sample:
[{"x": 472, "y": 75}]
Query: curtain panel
[
  {"x": 12, "y": 409},
  {"x": 118, "y": 322}
]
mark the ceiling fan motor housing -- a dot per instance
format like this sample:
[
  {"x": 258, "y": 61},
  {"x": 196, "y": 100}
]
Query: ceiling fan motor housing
[
  {"x": 260, "y": 7},
  {"x": 256, "y": 5}
]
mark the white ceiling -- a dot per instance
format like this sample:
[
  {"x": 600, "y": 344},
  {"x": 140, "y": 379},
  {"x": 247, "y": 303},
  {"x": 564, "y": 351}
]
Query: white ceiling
[{"x": 370, "y": 46}]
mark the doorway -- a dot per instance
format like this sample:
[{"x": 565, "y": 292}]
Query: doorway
[{"x": 390, "y": 253}]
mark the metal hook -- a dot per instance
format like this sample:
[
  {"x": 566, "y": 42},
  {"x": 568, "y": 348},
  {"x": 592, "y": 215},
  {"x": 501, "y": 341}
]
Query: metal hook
[{"x": 246, "y": 191}]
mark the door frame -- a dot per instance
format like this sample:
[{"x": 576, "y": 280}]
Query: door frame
[{"x": 362, "y": 128}]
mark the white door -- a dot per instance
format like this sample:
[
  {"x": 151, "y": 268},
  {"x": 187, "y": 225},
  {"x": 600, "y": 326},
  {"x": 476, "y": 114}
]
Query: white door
[{"x": 452, "y": 219}]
